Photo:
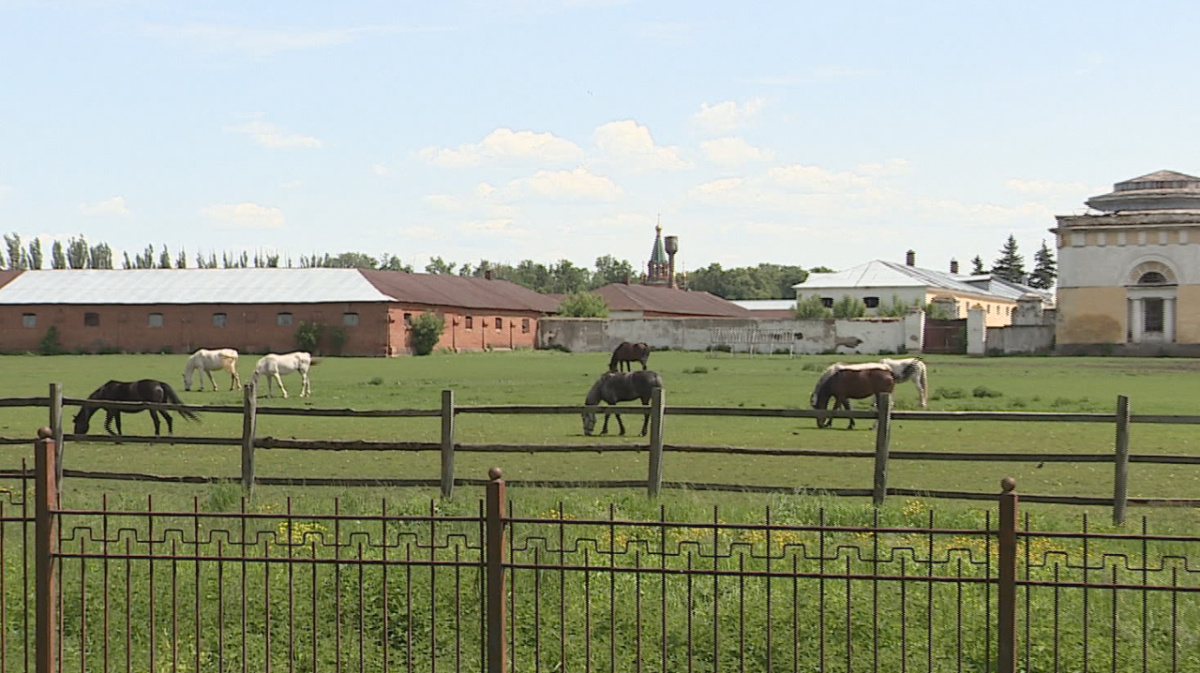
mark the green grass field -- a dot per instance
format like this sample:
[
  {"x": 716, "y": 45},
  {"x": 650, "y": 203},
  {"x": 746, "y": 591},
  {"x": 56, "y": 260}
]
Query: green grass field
[{"x": 1155, "y": 386}]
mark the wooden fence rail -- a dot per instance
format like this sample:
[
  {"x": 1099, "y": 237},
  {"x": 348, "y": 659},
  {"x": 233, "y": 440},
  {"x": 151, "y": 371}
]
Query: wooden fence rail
[{"x": 249, "y": 443}]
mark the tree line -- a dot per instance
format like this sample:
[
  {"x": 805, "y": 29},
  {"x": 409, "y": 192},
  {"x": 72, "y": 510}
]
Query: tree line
[{"x": 764, "y": 281}]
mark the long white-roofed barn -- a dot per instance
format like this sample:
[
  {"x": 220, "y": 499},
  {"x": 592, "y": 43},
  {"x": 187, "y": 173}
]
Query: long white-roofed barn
[{"x": 360, "y": 312}]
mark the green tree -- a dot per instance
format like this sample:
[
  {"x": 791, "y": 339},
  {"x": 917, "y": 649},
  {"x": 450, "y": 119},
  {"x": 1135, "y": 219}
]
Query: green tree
[
  {"x": 58, "y": 259},
  {"x": 181, "y": 260},
  {"x": 609, "y": 270},
  {"x": 35, "y": 254},
  {"x": 308, "y": 335},
  {"x": 811, "y": 307},
  {"x": 583, "y": 305},
  {"x": 897, "y": 309},
  {"x": 100, "y": 256},
  {"x": 1045, "y": 269},
  {"x": 393, "y": 263},
  {"x": 77, "y": 252},
  {"x": 849, "y": 307},
  {"x": 439, "y": 266},
  {"x": 566, "y": 278},
  {"x": 1010, "y": 265},
  {"x": 17, "y": 259},
  {"x": 977, "y": 266},
  {"x": 164, "y": 259},
  {"x": 426, "y": 332}
]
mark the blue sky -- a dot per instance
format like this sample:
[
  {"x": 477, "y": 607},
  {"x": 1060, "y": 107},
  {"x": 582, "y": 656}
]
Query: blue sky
[{"x": 787, "y": 132}]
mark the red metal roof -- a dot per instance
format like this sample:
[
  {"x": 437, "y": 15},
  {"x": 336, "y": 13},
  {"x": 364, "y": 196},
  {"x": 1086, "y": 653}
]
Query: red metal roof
[
  {"x": 665, "y": 300},
  {"x": 456, "y": 291}
]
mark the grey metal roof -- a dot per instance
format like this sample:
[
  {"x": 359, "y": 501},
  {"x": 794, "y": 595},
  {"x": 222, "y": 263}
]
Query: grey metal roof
[
  {"x": 879, "y": 273},
  {"x": 190, "y": 286}
]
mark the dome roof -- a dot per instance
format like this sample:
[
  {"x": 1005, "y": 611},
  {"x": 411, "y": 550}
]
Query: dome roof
[{"x": 1161, "y": 190}]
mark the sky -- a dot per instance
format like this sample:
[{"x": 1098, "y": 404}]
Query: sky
[{"x": 796, "y": 133}]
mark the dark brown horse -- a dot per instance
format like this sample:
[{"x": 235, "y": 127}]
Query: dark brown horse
[
  {"x": 145, "y": 390},
  {"x": 626, "y": 354},
  {"x": 843, "y": 384},
  {"x": 613, "y": 387}
]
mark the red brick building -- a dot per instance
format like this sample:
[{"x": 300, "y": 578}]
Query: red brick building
[{"x": 361, "y": 312}]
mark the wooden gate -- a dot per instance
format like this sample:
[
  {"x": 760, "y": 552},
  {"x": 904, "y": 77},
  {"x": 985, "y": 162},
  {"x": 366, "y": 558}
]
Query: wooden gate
[{"x": 945, "y": 336}]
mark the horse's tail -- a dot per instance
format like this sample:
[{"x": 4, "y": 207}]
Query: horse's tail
[
  {"x": 314, "y": 362},
  {"x": 173, "y": 398}
]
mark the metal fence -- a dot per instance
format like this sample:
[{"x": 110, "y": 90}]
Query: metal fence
[{"x": 492, "y": 589}]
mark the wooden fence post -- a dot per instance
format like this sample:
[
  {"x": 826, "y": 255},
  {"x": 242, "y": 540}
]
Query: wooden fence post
[
  {"x": 654, "y": 479},
  {"x": 883, "y": 438},
  {"x": 249, "y": 433},
  {"x": 1006, "y": 603},
  {"x": 46, "y": 551},
  {"x": 1121, "y": 461},
  {"x": 497, "y": 592},
  {"x": 447, "y": 443},
  {"x": 56, "y": 428}
]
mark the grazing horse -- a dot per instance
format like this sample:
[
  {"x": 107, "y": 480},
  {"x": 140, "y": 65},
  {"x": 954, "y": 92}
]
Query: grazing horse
[
  {"x": 910, "y": 369},
  {"x": 209, "y": 361},
  {"x": 273, "y": 365},
  {"x": 843, "y": 383},
  {"x": 145, "y": 390},
  {"x": 613, "y": 387},
  {"x": 625, "y": 354}
]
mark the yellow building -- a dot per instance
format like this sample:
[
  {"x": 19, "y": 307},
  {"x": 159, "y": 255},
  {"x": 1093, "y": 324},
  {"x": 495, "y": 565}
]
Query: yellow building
[{"x": 1129, "y": 272}]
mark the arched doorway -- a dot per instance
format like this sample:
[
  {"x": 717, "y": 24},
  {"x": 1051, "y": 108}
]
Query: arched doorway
[{"x": 1150, "y": 297}]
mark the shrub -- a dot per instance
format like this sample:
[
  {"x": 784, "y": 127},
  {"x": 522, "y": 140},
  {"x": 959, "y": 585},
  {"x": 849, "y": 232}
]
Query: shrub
[
  {"x": 337, "y": 339},
  {"x": 849, "y": 307},
  {"x": 426, "y": 332},
  {"x": 810, "y": 307},
  {"x": 50, "y": 344},
  {"x": 949, "y": 394},
  {"x": 984, "y": 391},
  {"x": 308, "y": 335}
]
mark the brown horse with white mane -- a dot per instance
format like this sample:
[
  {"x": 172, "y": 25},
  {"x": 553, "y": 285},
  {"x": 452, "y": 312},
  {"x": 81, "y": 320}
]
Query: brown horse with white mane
[
  {"x": 843, "y": 384},
  {"x": 626, "y": 353}
]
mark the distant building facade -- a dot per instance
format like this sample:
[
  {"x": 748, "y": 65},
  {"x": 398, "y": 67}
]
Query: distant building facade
[{"x": 1129, "y": 273}]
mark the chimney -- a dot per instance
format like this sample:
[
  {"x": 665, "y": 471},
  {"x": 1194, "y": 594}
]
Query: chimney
[
  {"x": 953, "y": 266},
  {"x": 910, "y": 258},
  {"x": 487, "y": 274},
  {"x": 672, "y": 247}
]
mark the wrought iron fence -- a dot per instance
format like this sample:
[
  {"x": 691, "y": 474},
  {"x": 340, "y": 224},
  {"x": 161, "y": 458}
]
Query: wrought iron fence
[{"x": 365, "y": 588}]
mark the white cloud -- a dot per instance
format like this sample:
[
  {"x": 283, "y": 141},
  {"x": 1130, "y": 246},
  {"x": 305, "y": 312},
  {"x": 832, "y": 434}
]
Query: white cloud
[
  {"x": 630, "y": 144},
  {"x": 734, "y": 152},
  {"x": 246, "y": 215},
  {"x": 269, "y": 135},
  {"x": 814, "y": 179},
  {"x": 574, "y": 185},
  {"x": 114, "y": 206},
  {"x": 728, "y": 116},
  {"x": 504, "y": 144}
]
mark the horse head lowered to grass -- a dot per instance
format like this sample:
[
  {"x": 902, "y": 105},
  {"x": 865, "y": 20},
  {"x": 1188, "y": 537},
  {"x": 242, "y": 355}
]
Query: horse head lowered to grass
[
  {"x": 208, "y": 361},
  {"x": 614, "y": 387},
  {"x": 842, "y": 383},
  {"x": 145, "y": 390},
  {"x": 626, "y": 353}
]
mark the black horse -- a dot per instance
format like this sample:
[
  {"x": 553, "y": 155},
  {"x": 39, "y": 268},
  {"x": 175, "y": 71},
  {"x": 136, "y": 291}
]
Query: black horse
[
  {"x": 145, "y": 390},
  {"x": 625, "y": 354},
  {"x": 843, "y": 383},
  {"x": 613, "y": 387}
]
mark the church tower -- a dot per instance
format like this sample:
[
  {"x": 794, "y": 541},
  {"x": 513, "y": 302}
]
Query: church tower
[{"x": 661, "y": 269}]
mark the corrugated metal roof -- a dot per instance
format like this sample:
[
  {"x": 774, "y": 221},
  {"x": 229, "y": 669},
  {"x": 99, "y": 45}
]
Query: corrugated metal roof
[
  {"x": 446, "y": 290},
  {"x": 658, "y": 299},
  {"x": 189, "y": 286},
  {"x": 879, "y": 273}
]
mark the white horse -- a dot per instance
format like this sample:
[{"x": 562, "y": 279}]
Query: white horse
[
  {"x": 273, "y": 365},
  {"x": 209, "y": 361},
  {"x": 908, "y": 369}
]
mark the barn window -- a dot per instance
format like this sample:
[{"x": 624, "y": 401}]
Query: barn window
[
  {"x": 350, "y": 319},
  {"x": 827, "y": 302},
  {"x": 219, "y": 319},
  {"x": 499, "y": 323},
  {"x": 155, "y": 320},
  {"x": 469, "y": 322},
  {"x": 283, "y": 319},
  {"x": 871, "y": 302},
  {"x": 408, "y": 320},
  {"x": 28, "y": 320},
  {"x": 91, "y": 319},
  {"x": 524, "y": 325}
]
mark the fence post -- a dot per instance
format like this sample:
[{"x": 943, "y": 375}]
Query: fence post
[
  {"x": 654, "y": 479},
  {"x": 1121, "y": 461},
  {"x": 46, "y": 551},
  {"x": 1006, "y": 603},
  {"x": 56, "y": 427},
  {"x": 497, "y": 592},
  {"x": 447, "y": 443},
  {"x": 249, "y": 432},
  {"x": 883, "y": 438}
]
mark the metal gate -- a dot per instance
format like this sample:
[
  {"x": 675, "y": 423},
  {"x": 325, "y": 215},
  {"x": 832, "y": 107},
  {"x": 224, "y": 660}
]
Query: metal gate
[{"x": 945, "y": 336}]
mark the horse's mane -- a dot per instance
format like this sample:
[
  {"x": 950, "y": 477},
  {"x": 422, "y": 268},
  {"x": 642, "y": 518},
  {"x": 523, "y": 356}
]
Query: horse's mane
[{"x": 824, "y": 380}]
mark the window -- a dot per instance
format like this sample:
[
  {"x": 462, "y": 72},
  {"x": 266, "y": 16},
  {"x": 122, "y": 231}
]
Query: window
[
  {"x": 283, "y": 319},
  {"x": 1154, "y": 315},
  {"x": 499, "y": 323},
  {"x": 469, "y": 322},
  {"x": 408, "y": 320},
  {"x": 155, "y": 320},
  {"x": 350, "y": 319},
  {"x": 1152, "y": 278},
  {"x": 827, "y": 302},
  {"x": 871, "y": 302},
  {"x": 220, "y": 320},
  {"x": 524, "y": 325},
  {"x": 28, "y": 320},
  {"x": 91, "y": 319}
]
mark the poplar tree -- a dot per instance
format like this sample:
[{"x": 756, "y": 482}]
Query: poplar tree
[{"x": 58, "y": 260}]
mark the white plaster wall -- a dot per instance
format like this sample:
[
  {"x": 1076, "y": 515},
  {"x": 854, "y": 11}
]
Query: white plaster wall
[
  {"x": 1017, "y": 339},
  {"x": 1109, "y": 265}
]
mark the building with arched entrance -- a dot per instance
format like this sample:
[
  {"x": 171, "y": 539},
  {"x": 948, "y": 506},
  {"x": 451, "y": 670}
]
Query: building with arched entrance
[{"x": 1129, "y": 272}]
